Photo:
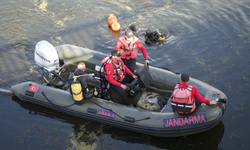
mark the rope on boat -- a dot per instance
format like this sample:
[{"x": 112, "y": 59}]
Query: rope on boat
[
  {"x": 57, "y": 85},
  {"x": 53, "y": 103}
]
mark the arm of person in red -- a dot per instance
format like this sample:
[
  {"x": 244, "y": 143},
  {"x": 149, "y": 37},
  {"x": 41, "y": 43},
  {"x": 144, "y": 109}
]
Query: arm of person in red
[
  {"x": 142, "y": 48},
  {"x": 110, "y": 74},
  {"x": 197, "y": 95}
]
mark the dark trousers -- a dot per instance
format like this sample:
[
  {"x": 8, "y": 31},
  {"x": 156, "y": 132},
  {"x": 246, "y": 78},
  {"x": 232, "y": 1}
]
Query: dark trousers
[
  {"x": 122, "y": 93},
  {"x": 131, "y": 66}
]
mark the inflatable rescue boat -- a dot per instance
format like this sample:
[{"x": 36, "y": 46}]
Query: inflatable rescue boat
[{"x": 156, "y": 86}]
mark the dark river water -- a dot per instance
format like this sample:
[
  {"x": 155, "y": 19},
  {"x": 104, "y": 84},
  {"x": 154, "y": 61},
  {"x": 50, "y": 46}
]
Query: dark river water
[{"x": 210, "y": 40}]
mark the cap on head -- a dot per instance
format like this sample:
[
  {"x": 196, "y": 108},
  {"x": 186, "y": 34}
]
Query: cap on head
[
  {"x": 116, "y": 53},
  {"x": 129, "y": 33},
  {"x": 184, "y": 77}
]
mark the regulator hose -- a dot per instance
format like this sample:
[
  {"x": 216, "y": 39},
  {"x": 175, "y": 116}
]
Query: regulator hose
[{"x": 54, "y": 84}]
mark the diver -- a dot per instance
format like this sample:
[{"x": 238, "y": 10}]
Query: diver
[
  {"x": 154, "y": 36},
  {"x": 151, "y": 36},
  {"x": 83, "y": 85},
  {"x": 133, "y": 27}
]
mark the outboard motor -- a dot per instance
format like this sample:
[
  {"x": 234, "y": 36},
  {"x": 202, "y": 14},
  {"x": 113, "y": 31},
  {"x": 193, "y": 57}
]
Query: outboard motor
[{"x": 47, "y": 58}]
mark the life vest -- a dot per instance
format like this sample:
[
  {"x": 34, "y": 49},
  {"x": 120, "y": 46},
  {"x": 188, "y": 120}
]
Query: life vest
[
  {"x": 119, "y": 71},
  {"x": 129, "y": 51},
  {"x": 182, "y": 101}
]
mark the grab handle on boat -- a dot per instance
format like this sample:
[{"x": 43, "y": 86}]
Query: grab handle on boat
[
  {"x": 147, "y": 64},
  {"x": 221, "y": 100}
]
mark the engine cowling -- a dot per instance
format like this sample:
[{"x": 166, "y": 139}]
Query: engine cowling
[{"x": 46, "y": 56}]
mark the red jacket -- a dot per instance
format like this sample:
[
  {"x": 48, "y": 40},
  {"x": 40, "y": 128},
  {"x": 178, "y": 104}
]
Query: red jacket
[
  {"x": 120, "y": 46},
  {"x": 194, "y": 93},
  {"x": 110, "y": 72}
]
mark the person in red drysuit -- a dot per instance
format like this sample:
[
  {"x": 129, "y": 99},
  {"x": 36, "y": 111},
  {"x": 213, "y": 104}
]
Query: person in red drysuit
[
  {"x": 115, "y": 71},
  {"x": 194, "y": 94}
]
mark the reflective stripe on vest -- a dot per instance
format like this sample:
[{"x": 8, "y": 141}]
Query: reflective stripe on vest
[
  {"x": 119, "y": 71},
  {"x": 129, "y": 51},
  {"x": 182, "y": 101}
]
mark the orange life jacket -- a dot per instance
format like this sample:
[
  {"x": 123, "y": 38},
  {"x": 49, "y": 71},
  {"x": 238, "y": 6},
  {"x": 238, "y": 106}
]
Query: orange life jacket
[
  {"x": 129, "y": 51},
  {"x": 182, "y": 101},
  {"x": 119, "y": 71}
]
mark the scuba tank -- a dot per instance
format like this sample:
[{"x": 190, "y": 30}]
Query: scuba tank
[
  {"x": 76, "y": 89},
  {"x": 77, "y": 92}
]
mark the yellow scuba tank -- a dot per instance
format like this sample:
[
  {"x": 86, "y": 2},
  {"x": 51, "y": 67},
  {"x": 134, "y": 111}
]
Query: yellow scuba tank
[
  {"x": 160, "y": 36},
  {"x": 77, "y": 93}
]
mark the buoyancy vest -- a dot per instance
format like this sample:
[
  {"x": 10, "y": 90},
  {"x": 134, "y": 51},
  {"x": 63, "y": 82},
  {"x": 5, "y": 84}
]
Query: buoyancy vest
[
  {"x": 119, "y": 71},
  {"x": 182, "y": 101},
  {"x": 129, "y": 50}
]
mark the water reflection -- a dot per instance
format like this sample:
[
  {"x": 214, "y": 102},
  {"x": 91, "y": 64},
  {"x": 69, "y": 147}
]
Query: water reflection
[
  {"x": 90, "y": 135},
  {"x": 208, "y": 140},
  {"x": 115, "y": 34}
]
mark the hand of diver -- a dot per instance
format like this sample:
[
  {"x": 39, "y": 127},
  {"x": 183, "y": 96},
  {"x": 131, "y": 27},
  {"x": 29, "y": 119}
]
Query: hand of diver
[{"x": 146, "y": 61}]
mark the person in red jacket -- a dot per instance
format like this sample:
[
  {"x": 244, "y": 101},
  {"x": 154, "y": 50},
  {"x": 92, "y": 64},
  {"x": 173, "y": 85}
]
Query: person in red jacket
[
  {"x": 115, "y": 73},
  {"x": 127, "y": 45},
  {"x": 194, "y": 94}
]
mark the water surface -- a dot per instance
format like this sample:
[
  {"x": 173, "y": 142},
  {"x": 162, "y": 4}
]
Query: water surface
[{"x": 208, "y": 39}]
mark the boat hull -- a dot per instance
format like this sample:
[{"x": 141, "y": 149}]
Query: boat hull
[{"x": 167, "y": 124}]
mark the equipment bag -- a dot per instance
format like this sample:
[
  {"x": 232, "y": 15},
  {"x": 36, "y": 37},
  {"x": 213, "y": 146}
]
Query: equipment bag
[
  {"x": 148, "y": 101},
  {"x": 182, "y": 101}
]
